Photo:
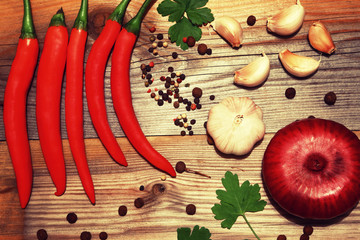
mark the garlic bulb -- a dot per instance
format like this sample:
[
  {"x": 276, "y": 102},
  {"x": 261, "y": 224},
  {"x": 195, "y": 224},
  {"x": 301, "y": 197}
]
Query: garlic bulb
[
  {"x": 235, "y": 125},
  {"x": 320, "y": 38},
  {"x": 299, "y": 66},
  {"x": 230, "y": 29},
  {"x": 287, "y": 21},
  {"x": 253, "y": 74}
]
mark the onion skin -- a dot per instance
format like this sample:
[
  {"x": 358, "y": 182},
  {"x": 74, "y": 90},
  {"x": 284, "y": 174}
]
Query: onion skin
[{"x": 311, "y": 168}]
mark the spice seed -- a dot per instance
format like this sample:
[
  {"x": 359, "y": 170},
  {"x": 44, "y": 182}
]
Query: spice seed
[
  {"x": 251, "y": 20},
  {"x": 330, "y": 98},
  {"x": 71, "y": 217},
  {"x": 139, "y": 203},
  {"x": 183, "y": 133},
  {"x": 160, "y": 36},
  {"x": 202, "y": 48},
  {"x": 308, "y": 230},
  {"x": 281, "y": 237},
  {"x": 290, "y": 93},
  {"x": 197, "y": 92},
  {"x": 209, "y": 51},
  {"x": 174, "y": 55},
  {"x": 191, "y": 209},
  {"x": 142, "y": 188},
  {"x": 212, "y": 97},
  {"x": 103, "y": 235},
  {"x": 85, "y": 235},
  {"x": 180, "y": 167},
  {"x": 190, "y": 41},
  {"x": 42, "y": 234},
  {"x": 304, "y": 237},
  {"x": 122, "y": 210}
]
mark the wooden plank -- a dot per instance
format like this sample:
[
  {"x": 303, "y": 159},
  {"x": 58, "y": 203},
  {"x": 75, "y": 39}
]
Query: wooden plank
[
  {"x": 163, "y": 212},
  {"x": 214, "y": 74}
]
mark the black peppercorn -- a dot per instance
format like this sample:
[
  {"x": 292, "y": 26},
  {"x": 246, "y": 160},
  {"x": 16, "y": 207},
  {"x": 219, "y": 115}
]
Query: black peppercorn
[
  {"x": 103, "y": 235},
  {"x": 290, "y": 93},
  {"x": 202, "y": 48},
  {"x": 191, "y": 209},
  {"x": 193, "y": 121},
  {"x": 139, "y": 203},
  {"x": 160, "y": 102},
  {"x": 330, "y": 98},
  {"x": 176, "y": 104},
  {"x": 209, "y": 51},
  {"x": 174, "y": 55},
  {"x": 251, "y": 20},
  {"x": 183, "y": 133},
  {"x": 42, "y": 234},
  {"x": 281, "y": 237},
  {"x": 212, "y": 97},
  {"x": 182, "y": 76},
  {"x": 160, "y": 36},
  {"x": 85, "y": 235},
  {"x": 197, "y": 92},
  {"x": 170, "y": 69},
  {"x": 308, "y": 230},
  {"x": 122, "y": 210},
  {"x": 180, "y": 167},
  {"x": 304, "y": 237},
  {"x": 71, "y": 217}
]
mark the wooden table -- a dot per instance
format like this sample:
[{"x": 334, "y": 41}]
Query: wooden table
[{"x": 164, "y": 211}]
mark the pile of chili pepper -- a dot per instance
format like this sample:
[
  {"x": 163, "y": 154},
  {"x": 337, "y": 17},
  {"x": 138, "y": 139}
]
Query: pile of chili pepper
[{"x": 60, "y": 51}]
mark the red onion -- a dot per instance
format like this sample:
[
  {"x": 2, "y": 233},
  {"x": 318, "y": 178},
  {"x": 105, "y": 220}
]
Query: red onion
[{"x": 311, "y": 168}]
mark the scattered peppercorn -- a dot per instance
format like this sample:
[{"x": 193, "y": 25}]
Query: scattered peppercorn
[
  {"x": 290, "y": 93},
  {"x": 143, "y": 66},
  {"x": 183, "y": 133},
  {"x": 180, "y": 167},
  {"x": 151, "y": 64},
  {"x": 191, "y": 209},
  {"x": 152, "y": 29},
  {"x": 209, "y": 51},
  {"x": 160, "y": 102},
  {"x": 174, "y": 55},
  {"x": 71, "y": 217},
  {"x": 197, "y": 92},
  {"x": 173, "y": 75},
  {"x": 152, "y": 38},
  {"x": 165, "y": 44},
  {"x": 304, "y": 237},
  {"x": 212, "y": 97},
  {"x": 152, "y": 95},
  {"x": 139, "y": 203},
  {"x": 103, "y": 235},
  {"x": 281, "y": 237},
  {"x": 160, "y": 36},
  {"x": 193, "y": 121},
  {"x": 308, "y": 230},
  {"x": 85, "y": 235},
  {"x": 155, "y": 52},
  {"x": 176, "y": 104},
  {"x": 251, "y": 20},
  {"x": 205, "y": 124},
  {"x": 190, "y": 41},
  {"x": 330, "y": 98},
  {"x": 191, "y": 133},
  {"x": 142, "y": 188},
  {"x": 122, "y": 210},
  {"x": 160, "y": 44},
  {"x": 151, "y": 49},
  {"x": 182, "y": 76},
  {"x": 42, "y": 234},
  {"x": 202, "y": 48},
  {"x": 170, "y": 69}
]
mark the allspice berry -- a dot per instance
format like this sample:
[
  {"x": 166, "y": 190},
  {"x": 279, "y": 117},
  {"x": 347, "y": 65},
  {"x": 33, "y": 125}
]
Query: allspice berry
[
  {"x": 190, "y": 41},
  {"x": 197, "y": 92},
  {"x": 202, "y": 48}
]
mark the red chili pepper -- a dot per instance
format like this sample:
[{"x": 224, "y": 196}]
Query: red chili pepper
[
  {"x": 48, "y": 97},
  {"x": 121, "y": 93},
  {"x": 94, "y": 81},
  {"x": 74, "y": 98},
  {"x": 14, "y": 114}
]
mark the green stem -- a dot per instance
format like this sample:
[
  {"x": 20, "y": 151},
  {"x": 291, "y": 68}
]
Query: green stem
[
  {"x": 27, "y": 29},
  {"x": 247, "y": 222},
  {"x": 58, "y": 19},
  {"x": 134, "y": 24},
  {"x": 81, "y": 19},
  {"x": 119, "y": 12}
]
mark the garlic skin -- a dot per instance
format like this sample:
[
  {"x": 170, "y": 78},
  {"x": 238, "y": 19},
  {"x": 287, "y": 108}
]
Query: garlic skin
[
  {"x": 230, "y": 29},
  {"x": 287, "y": 21},
  {"x": 299, "y": 66},
  {"x": 320, "y": 38},
  {"x": 253, "y": 74},
  {"x": 235, "y": 125}
]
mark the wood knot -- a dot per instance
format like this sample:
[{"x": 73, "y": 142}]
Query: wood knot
[{"x": 97, "y": 20}]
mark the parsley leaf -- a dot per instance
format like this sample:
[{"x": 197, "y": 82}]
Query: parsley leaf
[
  {"x": 236, "y": 201},
  {"x": 181, "y": 29},
  {"x": 197, "y": 233},
  {"x": 185, "y": 26}
]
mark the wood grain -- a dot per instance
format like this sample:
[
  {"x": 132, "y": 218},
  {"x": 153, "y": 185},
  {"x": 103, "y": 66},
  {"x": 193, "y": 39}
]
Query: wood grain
[{"x": 164, "y": 212}]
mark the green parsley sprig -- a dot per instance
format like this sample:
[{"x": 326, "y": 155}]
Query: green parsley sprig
[
  {"x": 196, "y": 234},
  {"x": 185, "y": 26},
  {"x": 236, "y": 201}
]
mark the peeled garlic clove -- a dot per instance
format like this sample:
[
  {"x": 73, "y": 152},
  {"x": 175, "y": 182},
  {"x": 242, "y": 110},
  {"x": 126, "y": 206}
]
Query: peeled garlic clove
[
  {"x": 287, "y": 21},
  {"x": 320, "y": 38},
  {"x": 230, "y": 29},
  {"x": 299, "y": 66},
  {"x": 254, "y": 73}
]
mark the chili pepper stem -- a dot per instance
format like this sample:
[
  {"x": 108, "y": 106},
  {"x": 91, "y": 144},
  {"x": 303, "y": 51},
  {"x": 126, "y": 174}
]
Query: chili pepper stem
[
  {"x": 118, "y": 14},
  {"x": 27, "y": 29},
  {"x": 81, "y": 19},
  {"x": 134, "y": 24},
  {"x": 58, "y": 19}
]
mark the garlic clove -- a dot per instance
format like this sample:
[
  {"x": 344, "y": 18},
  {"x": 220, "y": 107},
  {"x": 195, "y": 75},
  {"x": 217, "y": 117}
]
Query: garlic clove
[
  {"x": 287, "y": 21},
  {"x": 253, "y": 74},
  {"x": 299, "y": 66},
  {"x": 230, "y": 29},
  {"x": 320, "y": 38}
]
